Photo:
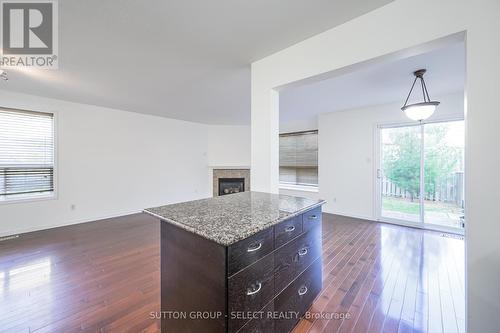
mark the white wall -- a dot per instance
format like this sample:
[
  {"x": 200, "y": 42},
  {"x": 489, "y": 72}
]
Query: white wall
[
  {"x": 385, "y": 33},
  {"x": 228, "y": 146},
  {"x": 347, "y": 152},
  {"x": 112, "y": 162},
  {"x": 305, "y": 124}
]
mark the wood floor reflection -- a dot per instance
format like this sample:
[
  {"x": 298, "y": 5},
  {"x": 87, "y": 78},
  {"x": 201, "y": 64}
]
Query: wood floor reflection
[
  {"x": 389, "y": 279},
  {"x": 104, "y": 277}
]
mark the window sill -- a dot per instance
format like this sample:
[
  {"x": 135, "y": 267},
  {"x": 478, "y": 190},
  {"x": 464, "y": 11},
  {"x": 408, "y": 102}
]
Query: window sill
[
  {"x": 299, "y": 188},
  {"x": 26, "y": 198}
]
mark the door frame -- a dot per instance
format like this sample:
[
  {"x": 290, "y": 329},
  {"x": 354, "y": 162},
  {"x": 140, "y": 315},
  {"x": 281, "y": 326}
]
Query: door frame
[{"x": 377, "y": 194}]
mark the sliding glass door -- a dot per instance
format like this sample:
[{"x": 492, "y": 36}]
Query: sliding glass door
[
  {"x": 420, "y": 175},
  {"x": 444, "y": 173},
  {"x": 400, "y": 177}
]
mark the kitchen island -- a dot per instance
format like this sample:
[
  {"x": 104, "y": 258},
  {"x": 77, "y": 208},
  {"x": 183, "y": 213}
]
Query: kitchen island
[{"x": 245, "y": 262}]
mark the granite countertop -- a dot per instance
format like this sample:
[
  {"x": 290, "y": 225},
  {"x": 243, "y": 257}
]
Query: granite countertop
[{"x": 230, "y": 218}]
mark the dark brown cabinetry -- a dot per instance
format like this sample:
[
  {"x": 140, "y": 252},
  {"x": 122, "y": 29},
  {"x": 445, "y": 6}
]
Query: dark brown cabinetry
[
  {"x": 298, "y": 296},
  {"x": 287, "y": 230},
  {"x": 294, "y": 257},
  {"x": 249, "y": 250},
  {"x": 311, "y": 218},
  {"x": 246, "y": 286}
]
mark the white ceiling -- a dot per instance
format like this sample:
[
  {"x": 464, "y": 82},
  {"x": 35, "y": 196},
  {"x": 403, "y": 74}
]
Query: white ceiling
[
  {"x": 181, "y": 59},
  {"x": 377, "y": 84}
]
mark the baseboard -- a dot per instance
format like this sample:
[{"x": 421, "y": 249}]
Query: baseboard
[
  {"x": 435, "y": 228},
  {"x": 362, "y": 217},
  {"x": 73, "y": 222},
  {"x": 402, "y": 224}
]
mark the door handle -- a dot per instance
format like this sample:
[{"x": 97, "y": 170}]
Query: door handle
[
  {"x": 254, "y": 247},
  {"x": 254, "y": 289},
  {"x": 302, "y": 290}
]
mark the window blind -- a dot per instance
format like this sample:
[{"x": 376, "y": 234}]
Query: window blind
[
  {"x": 26, "y": 152},
  {"x": 299, "y": 158}
]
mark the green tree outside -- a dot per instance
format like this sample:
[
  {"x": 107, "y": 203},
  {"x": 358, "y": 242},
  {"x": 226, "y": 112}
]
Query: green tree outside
[{"x": 401, "y": 159}]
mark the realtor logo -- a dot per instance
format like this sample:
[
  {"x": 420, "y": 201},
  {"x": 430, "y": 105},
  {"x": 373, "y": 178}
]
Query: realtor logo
[{"x": 29, "y": 33}]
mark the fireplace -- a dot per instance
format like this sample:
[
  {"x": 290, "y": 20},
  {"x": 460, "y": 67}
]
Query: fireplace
[
  {"x": 227, "y": 181},
  {"x": 231, "y": 185}
]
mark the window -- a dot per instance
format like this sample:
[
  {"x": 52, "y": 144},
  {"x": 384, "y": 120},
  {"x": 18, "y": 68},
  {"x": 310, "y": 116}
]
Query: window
[
  {"x": 299, "y": 159},
  {"x": 26, "y": 154}
]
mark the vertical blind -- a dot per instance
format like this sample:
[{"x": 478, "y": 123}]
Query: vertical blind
[
  {"x": 26, "y": 152},
  {"x": 299, "y": 158}
]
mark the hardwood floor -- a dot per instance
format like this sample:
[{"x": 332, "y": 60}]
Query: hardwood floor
[
  {"x": 389, "y": 279},
  {"x": 104, "y": 277}
]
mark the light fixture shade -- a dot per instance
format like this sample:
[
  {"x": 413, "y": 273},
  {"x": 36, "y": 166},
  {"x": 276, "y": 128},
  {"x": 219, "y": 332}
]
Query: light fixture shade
[
  {"x": 420, "y": 111},
  {"x": 423, "y": 110}
]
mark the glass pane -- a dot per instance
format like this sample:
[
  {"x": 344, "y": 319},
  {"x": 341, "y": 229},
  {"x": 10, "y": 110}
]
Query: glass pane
[
  {"x": 444, "y": 173},
  {"x": 400, "y": 163}
]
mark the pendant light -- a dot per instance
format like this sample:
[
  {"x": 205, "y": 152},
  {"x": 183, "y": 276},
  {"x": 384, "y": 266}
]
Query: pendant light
[{"x": 423, "y": 110}]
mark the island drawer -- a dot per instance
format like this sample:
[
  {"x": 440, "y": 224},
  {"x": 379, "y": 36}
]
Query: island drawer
[
  {"x": 293, "y": 258},
  {"x": 298, "y": 297},
  {"x": 249, "y": 250},
  {"x": 311, "y": 218},
  {"x": 287, "y": 230},
  {"x": 250, "y": 290},
  {"x": 262, "y": 323}
]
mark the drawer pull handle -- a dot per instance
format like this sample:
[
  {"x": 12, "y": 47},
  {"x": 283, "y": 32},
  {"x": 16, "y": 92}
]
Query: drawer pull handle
[
  {"x": 313, "y": 217},
  {"x": 302, "y": 290},
  {"x": 290, "y": 228},
  {"x": 254, "y": 290},
  {"x": 254, "y": 247},
  {"x": 303, "y": 252}
]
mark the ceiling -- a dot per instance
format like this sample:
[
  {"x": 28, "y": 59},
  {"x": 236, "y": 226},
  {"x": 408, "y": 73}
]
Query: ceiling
[
  {"x": 376, "y": 84},
  {"x": 182, "y": 59}
]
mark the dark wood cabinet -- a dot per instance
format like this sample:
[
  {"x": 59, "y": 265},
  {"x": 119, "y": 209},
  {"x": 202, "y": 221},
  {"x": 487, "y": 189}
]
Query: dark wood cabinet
[
  {"x": 298, "y": 296},
  {"x": 250, "y": 290},
  {"x": 263, "y": 323},
  {"x": 295, "y": 257},
  {"x": 250, "y": 283},
  {"x": 249, "y": 250},
  {"x": 287, "y": 230},
  {"x": 311, "y": 218},
  {"x": 193, "y": 281}
]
